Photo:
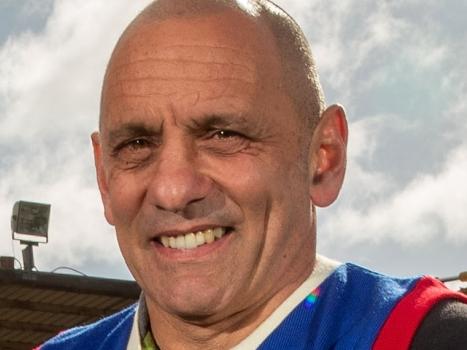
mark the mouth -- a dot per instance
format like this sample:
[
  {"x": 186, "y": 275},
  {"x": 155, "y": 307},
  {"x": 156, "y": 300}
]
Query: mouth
[{"x": 193, "y": 240}]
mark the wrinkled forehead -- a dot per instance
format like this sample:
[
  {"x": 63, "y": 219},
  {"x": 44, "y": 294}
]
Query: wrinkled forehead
[
  {"x": 202, "y": 37},
  {"x": 215, "y": 41},
  {"x": 221, "y": 27}
]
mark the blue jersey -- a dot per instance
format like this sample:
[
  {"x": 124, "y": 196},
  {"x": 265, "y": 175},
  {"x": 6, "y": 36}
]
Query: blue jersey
[{"x": 354, "y": 308}]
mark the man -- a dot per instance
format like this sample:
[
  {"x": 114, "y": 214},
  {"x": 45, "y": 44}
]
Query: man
[{"x": 214, "y": 149}]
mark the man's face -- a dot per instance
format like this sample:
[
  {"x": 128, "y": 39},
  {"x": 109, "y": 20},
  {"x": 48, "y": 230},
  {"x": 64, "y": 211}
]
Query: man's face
[{"x": 199, "y": 139}]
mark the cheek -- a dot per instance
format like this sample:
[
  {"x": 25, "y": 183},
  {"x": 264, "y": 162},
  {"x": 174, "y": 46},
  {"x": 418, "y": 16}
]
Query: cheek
[
  {"x": 275, "y": 193},
  {"x": 126, "y": 193},
  {"x": 245, "y": 181},
  {"x": 256, "y": 180},
  {"x": 255, "y": 186}
]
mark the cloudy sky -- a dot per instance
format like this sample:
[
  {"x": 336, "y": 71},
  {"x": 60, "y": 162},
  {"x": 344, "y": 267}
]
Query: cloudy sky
[{"x": 397, "y": 66}]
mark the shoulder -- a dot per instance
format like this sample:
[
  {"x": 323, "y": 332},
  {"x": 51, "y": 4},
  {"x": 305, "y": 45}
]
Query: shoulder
[
  {"x": 419, "y": 312},
  {"x": 365, "y": 293},
  {"x": 107, "y": 333},
  {"x": 444, "y": 327},
  {"x": 357, "y": 279}
]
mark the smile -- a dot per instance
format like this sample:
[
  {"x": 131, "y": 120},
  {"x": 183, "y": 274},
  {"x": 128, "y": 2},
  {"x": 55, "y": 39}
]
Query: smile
[{"x": 192, "y": 240}]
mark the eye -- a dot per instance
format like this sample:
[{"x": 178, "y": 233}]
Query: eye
[
  {"x": 225, "y": 134},
  {"x": 137, "y": 144},
  {"x": 134, "y": 151},
  {"x": 225, "y": 142}
]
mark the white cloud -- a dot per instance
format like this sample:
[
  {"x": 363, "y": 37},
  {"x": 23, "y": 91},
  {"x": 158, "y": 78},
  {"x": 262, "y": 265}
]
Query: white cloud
[
  {"x": 428, "y": 206},
  {"x": 49, "y": 97},
  {"x": 54, "y": 78},
  {"x": 33, "y": 8},
  {"x": 367, "y": 185},
  {"x": 365, "y": 50}
]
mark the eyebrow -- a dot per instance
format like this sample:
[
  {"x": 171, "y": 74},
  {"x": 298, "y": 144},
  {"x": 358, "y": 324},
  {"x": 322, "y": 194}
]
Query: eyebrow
[
  {"x": 217, "y": 120},
  {"x": 196, "y": 125},
  {"x": 132, "y": 129}
]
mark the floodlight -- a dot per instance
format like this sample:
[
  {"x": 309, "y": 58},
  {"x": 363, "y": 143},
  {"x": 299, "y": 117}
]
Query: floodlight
[
  {"x": 29, "y": 225},
  {"x": 30, "y": 222}
]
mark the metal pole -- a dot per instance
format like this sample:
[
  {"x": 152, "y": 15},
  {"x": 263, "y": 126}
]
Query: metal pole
[
  {"x": 28, "y": 257},
  {"x": 460, "y": 277}
]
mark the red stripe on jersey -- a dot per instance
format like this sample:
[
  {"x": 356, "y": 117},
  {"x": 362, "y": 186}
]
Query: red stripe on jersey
[{"x": 403, "y": 321}]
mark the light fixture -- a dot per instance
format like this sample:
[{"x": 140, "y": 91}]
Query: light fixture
[{"x": 30, "y": 225}]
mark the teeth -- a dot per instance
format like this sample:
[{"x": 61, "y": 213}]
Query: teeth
[
  {"x": 180, "y": 242},
  {"x": 200, "y": 238},
  {"x": 218, "y": 232},
  {"x": 209, "y": 236},
  {"x": 165, "y": 241},
  {"x": 192, "y": 240}
]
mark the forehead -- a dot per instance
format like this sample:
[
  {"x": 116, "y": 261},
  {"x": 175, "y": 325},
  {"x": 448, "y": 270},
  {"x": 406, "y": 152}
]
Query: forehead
[
  {"x": 228, "y": 28},
  {"x": 226, "y": 59}
]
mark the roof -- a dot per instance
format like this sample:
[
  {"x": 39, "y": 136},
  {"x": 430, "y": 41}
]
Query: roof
[{"x": 35, "y": 306}]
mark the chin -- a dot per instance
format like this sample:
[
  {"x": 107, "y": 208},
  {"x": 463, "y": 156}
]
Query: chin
[
  {"x": 195, "y": 302},
  {"x": 198, "y": 312}
]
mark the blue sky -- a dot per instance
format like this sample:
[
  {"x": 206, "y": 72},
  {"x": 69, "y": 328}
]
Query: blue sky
[{"x": 397, "y": 66}]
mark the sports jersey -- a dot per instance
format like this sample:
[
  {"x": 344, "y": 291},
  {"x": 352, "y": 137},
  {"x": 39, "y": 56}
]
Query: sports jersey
[{"x": 345, "y": 307}]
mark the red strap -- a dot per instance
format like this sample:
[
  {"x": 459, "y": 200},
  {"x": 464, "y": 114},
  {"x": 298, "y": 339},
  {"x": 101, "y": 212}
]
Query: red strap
[{"x": 399, "y": 329}]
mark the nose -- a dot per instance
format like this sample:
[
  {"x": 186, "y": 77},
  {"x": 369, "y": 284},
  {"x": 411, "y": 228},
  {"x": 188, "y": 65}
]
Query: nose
[{"x": 177, "y": 181}]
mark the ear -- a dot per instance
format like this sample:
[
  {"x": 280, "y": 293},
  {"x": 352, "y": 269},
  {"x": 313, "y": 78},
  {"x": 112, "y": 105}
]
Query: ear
[
  {"x": 101, "y": 176},
  {"x": 328, "y": 156}
]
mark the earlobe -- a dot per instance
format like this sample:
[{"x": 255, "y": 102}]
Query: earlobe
[
  {"x": 328, "y": 160},
  {"x": 101, "y": 176}
]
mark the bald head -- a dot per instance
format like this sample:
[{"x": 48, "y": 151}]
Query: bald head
[{"x": 298, "y": 71}]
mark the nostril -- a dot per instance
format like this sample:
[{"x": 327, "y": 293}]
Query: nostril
[
  {"x": 178, "y": 211},
  {"x": 196, "y": 208},
  {"x": 179, "y": 189},
  {"x": 179, "y": 192}
]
